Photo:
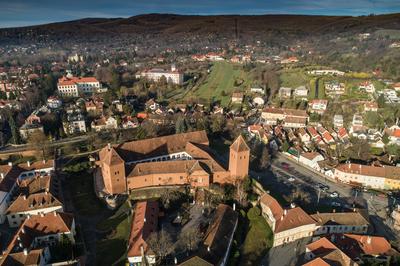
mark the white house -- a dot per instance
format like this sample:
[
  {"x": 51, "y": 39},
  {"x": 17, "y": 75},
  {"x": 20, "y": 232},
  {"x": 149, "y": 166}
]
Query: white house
[
  {"x": 311, "y": 159},
  {"x": 345, "y": 222},
  {"x": 174, "y": 76},
  {"x": 318, "y": 106},
  {"x": 301, "y": 92},
  {"x": 74, "y": 86}
]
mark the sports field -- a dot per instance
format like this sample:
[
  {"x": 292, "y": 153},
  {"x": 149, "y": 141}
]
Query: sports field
[{"x": 220, "y": 82}]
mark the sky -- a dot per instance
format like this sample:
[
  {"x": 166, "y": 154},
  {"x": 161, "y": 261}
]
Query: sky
[{"x": 15, "y": 13}]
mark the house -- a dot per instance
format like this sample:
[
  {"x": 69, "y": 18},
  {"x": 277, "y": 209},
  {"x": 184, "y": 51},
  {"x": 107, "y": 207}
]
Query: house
[
  {"x": 129, "y": 122},
  {"x": 144, "y": 223},
  {"x": 331, "y": 72},
  {"x": 318, "y": 106},
  {"x": 305, "y": 138},
  {"x": 74, "y": 86},
  {"x": 237, "y": 97},
  {"x": 75, "y": 123},
  {"x": 301, "y": 92},
  {"x": 30, "y": 244},
  {"x": 311, "y": 159},
  {"x": 285, "y": 92},
  {"x": 334, "y": 88},
  {"x": 340, "y": 222},
  {"x": 291, "y": 117},
  {"x": 367, "y": 86},
  {"x": 173, "y": 76},
  {"x": 342, "y": 134},
  {"x": 258, "y": 132},
  {"x": 94, "y": 106},
  {"x": 370, "y": 107},
  {"x": 152, "y": 105},
  {"x": 104, "y": 123},
  {"x": 323, "y": 252},
  {"x": 27, "y": 130},
  {"x": 394, "y": 137},
  {"x": 258, "y": 101},
  {"x": 378, "y": 177},
  {"x": 338, "y": 121},
  {"x": 287, "y": 225},
  {"x": 218, "y": 239},
  {"x": 54, "y": 102},
  {"x": 174, "y": 160},
  {"x": 313, "y": 133},
  {"x": 258, "y": 90}
]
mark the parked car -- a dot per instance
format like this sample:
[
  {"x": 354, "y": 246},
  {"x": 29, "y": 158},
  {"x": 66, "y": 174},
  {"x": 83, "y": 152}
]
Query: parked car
[
  {"x": 336, "y": 204},
  {"x": 291, "y": 179},
  {"x": 334, "y": 194}
]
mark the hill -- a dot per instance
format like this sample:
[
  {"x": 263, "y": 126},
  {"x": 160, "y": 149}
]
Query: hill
[{"x": 175, "y": 26}]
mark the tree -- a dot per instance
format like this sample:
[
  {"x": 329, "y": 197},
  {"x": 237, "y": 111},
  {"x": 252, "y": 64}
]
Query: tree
[
  {"x": 189, "y": 239},
  {"x": 14, "y": 130},
  {"x": 181, "y": 125},
  {"x": 381, "y": 101},
  {"x": 38, "y": 141},
  {"x": 217, "y": 123},
  {"x": 265, "y": 159},
  {"x": 242, "y": 188},
  {"x": 161, "y": 244}
]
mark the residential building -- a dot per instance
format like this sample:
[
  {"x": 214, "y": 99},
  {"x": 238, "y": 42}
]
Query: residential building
[
  {"x": 258, "y": 101},
  {"x": 287, "y": 225},
  {"x": 180, "y": 159},
  {"x": 104, "y": 123},
  {"x": 54, "y": 102},
  {"x": 29, "y": 246},
  {"x": 311, "y": 159},
  {"x": 237, "y": 97},
  {"x": 318, "y": 106},
  {"x": 367, "y": 86},
  {"x": 301, "y": 92},
  {"x": 340, "y": 222},
  {"x": 285, "y": 92},
  {"x": 323, "y": 252},
  {"x": 334, "y": 88},
  {"x": 75, "y": 123},
  {"x": 156, "y": 74},
  {"x": 152, "y": 105},
  {"x": 370, "y": 107},
  {"x": 129, "y": 122},
  {"x": 27, "y": 130},
  {"x": 338, "y": 121},
  {"x": 394, "y": 136},
  {"x": 291, "y": 117},
  {"x": 75, "y": 86},
  {"x": 379, "y": 177},
  {"x": 144, "y": 223},
  {"x": 331, "y": 72},
  {"x": 257, "y": 90},
  {"x": 304, "y": 136}
]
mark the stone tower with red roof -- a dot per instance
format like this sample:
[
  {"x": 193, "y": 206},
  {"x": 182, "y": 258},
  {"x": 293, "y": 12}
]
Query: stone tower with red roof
[{"x": 239, "y": 156}]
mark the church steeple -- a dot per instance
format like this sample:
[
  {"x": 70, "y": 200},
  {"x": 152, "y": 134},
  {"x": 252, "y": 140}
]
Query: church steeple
[{"x": 239, "y": 157}]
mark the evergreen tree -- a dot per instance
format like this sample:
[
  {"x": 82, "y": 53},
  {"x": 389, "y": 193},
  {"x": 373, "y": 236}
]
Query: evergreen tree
[{"x": 14, "y": 130}]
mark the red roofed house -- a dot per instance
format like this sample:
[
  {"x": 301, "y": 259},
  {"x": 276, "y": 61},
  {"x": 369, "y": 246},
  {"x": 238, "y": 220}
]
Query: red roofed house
[
  {"x": 318, "y": 106},
  {"x": 370, "y": 107},
  {"x": 74, "y": 86},
  {"x": 144, "y": 223},
  {"x": 311, "y": 159},
  {"x": 394, "y": 137},
  {"x": 287, "y": 225}
]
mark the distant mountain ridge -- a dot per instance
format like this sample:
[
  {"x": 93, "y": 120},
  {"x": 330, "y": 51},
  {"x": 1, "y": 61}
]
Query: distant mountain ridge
[{"x": 172, "y": 25}]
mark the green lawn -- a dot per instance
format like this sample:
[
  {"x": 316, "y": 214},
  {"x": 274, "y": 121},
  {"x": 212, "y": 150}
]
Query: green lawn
[
  {"x": 220, "y": 83},
  {"x": 293, "y": 78},
  {"x": 85, "y": 201},
  {"x": 112, "y": 248},
  {"x": 258, "y": 239}
]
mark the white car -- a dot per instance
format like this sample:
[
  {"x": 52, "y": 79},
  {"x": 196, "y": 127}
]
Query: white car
[
  {"x": 291, "y": 179},
  {"x": 334, "y": 195}
]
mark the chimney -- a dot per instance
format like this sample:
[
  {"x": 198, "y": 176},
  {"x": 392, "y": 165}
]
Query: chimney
[
  {"x": 23, "y": 230},
  {"x": 9, "y": 163},
  {"x": 142, "y": 251},
  {"x": 28, "y": 216},
  {"x": 55, "y": 213},
  {"x": 24, "y": 197},
  {"x": 173, "y": 67},
  {"x": 208, "y": 248},
  {"x": 28, "y": 163},
  {"x": 144, "y": 220},
  {"x": 2, "y": 175},
  {"x": 25, "y": 251},
  {"x": 109, "y": 146},
  {"x": 369, "y": 240},
  {"x": 284, "y": 212},
  {"x": 44, "y": 161},
  {"x": 41, "y": 214}
]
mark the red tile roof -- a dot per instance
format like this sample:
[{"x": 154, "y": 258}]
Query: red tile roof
[{"x": 294, "y": 218}]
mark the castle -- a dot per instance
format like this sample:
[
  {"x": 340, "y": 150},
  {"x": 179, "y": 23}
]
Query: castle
[{"x": 180, "y": 159}]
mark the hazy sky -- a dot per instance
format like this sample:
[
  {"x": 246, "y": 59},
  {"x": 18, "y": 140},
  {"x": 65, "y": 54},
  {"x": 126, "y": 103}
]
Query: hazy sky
[{"x": 30, "y": 12}]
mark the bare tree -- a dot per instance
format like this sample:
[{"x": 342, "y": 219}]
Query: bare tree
[
  {"x": 189, "y": 239},
  {"x": 161, "y": 244}
]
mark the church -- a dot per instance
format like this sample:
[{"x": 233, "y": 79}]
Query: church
[{"x": 180, "y": 159}]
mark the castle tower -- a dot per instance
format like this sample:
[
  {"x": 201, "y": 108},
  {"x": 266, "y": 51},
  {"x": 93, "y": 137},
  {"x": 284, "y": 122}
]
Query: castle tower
[
  {"x": 113, "y": 171},
  {"x": 239, "y": 156}
]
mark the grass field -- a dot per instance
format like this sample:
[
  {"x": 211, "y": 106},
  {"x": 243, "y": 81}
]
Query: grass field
[
  {"x": 82, "y": 193},
  {"x": 113, "y": 247},
  {"x": 293, "y": 78},
  {"x": 258, "y": 239},
  {"x": 220, "y": 83}
]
